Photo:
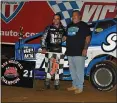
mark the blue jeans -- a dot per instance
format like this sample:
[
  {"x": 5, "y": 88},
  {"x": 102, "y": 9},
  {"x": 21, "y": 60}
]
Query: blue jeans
[{"x": 76, "y": 67}]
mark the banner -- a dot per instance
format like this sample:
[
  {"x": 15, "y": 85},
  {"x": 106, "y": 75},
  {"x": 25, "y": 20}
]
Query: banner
[
  {"x": 34, "y": 16},
  {"x": 17, "y": 73}
]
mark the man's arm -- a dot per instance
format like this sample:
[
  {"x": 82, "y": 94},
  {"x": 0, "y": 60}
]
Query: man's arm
[
  {"x": 87, "y": 42},
  {"x": 65, "y": 35},
  {"x": 43, "y": 40}
]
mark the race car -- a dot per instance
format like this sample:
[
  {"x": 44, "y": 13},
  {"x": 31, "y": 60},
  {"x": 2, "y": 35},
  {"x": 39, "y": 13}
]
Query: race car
[{"x": 100, "y": 65}]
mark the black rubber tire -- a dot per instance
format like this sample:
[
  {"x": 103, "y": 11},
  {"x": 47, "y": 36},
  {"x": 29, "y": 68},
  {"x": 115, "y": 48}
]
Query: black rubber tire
[{"x": 97, "y": 77}]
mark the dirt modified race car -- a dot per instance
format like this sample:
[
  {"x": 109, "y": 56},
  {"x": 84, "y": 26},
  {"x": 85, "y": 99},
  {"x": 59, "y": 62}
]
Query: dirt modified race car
[{"x": 100, "y": 65}]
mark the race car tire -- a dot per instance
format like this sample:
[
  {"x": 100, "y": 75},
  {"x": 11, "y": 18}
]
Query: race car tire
[{"x": 103, "y": 76}]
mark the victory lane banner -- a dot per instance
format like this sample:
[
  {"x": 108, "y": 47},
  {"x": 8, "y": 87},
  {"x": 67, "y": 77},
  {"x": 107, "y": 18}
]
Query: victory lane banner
[{"x": 17, "y": 73}]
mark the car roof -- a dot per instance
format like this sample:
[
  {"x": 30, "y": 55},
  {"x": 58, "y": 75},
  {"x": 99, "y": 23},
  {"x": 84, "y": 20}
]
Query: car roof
[{"x": 115, "y": 19}]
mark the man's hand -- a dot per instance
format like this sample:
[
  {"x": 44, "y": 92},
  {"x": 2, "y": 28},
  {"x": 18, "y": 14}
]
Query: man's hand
[
  {"x": 84, "y": 52},
  {"x": 44, "y": 51},
  {"x": 64, "y": 38}
]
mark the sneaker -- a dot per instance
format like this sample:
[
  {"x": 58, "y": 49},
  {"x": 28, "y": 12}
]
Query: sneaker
[
  {"x": 56, "y": 84},
  {"x": 78, "y": 91},
  {"x": 71, "y": 88},
  {"x": 47, "y": 84},
  {"x": 57, "y": 87}
]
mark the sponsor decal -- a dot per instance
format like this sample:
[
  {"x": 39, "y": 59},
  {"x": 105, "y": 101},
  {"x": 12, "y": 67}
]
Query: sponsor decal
[
  {"x": 11, "y": 72},
  {"x": 111, "y": 43},
  {"x": 29, "y": 53}
]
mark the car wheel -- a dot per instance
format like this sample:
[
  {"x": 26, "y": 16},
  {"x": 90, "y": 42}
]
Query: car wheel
[{"x": 103, "y": 76}]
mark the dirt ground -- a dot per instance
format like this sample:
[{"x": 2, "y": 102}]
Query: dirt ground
[{"x": 90, "y": 94}]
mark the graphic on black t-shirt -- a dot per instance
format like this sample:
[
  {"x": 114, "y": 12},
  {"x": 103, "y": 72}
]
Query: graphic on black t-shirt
[{"x": 72, "y": 31}]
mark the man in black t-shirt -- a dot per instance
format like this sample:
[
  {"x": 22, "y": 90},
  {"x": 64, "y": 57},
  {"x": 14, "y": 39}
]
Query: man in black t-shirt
[{"x": 78, "y": 37}]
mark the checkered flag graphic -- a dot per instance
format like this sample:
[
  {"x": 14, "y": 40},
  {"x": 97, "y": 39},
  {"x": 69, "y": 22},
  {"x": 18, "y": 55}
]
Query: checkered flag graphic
[
  {"x": 49, "y": 62},
  {"x": 64, "y": 8}
]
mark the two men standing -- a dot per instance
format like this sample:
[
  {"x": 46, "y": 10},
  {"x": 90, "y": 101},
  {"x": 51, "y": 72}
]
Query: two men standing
[{"x": 77, "y": 38}]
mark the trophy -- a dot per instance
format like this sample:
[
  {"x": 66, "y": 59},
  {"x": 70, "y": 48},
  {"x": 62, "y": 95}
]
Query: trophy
[
  {"x": 20, "y": 41},
  {"x": 21, "y": 33}
]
